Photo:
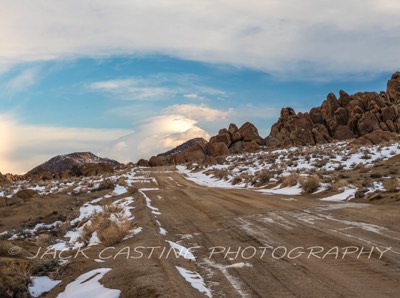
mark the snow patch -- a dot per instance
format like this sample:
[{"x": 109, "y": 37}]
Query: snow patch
[
  {"x": 88, "y": 285},
  {"x": 195, "y": 280}
]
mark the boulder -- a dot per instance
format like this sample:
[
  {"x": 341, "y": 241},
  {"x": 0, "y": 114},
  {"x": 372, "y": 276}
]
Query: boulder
[
  {"x": 251, "y": 146},
  {"x": 237, "y": 147},
  {"x": 249, "y": 133},
  {"x": 143, "y": 163},
  {"x": 157, "y": 161},
  {"x": 393, "y": 88},
  {"x": 232, "y": 129},
  {"x": 218, "y": 149},
  {"x": 343, "y": 133},
  {"x": 376, "y": 137}
]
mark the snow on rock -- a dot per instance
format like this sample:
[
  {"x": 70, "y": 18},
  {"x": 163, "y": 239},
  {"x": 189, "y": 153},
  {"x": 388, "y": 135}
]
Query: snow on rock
[
  {"x": 41, "y": 285},
  {"x": 347, "y": 194},
  {"x": 195, "y": 280},
  {"x": 88, "y": 285}
]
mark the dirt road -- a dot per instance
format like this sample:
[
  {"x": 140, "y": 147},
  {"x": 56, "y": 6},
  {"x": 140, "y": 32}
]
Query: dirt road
[{"x": 250, "y": 244}]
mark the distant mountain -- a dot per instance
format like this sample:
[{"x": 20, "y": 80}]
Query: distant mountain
[{"x": 74, "y": 164}]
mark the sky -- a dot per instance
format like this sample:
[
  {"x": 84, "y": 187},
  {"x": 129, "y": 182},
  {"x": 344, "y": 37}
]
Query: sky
[{"x": 130, "y": 79}]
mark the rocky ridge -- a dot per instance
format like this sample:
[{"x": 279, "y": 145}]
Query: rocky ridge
[
  {"x": 367, "y": 117},
  {"x": 73, "y": 165},
  {"x": 370, "y": 117},
  {"x": 228, "y": 141}
]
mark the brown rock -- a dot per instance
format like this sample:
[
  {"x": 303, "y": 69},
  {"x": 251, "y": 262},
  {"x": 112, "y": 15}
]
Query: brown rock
[
  {"x": 224, "y": 137},
  {"x": 368, "y": 123},
  {"x": 236, "y": 137},
  {"x": 393, "y": 88},
  {"x": 316, "y": 116},
  {"x": 193, "y": 153},
  {"x": 376, "y": 137},
  {"x": 218, "y": 149},
  {"x": 143, "y": 163},
  {"x": 272, "y": 142},
  {"x": 391, "y": 125},
  {"x": 344, "y": 98},
  {"x": 237, "y": 147},
  {"x": 384, "y": 127},
  {"x": 344, "y": 133},
  {"x": 251, "y": 146},
  {"x": 156, "y": 161},
  {"x": 389, "y": 113},
  {"x": 249, "y": 133},
  {"x": 232, "y": 129},
  {"x": 341, "y": 116}
]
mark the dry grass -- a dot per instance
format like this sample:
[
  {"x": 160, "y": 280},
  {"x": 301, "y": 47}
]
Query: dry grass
[
  {"x": 290, "y": 180},
  {"x": 310, "y": 184},
  {"x": 14, "y": 278},
  {"x": 111, "y": 226},
  {"x": 236, "y": 180},
  {"x": 340, "y": 184},
  {"x": 392, "y": 184}
]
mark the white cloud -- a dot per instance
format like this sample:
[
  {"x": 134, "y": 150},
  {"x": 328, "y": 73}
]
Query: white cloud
[
  {"x": 157, "y": 87},
  {"x": 305, "y": 39},
  {"x": 131, "y": 89},
  {"x": 26, "y": 146},
  {"x": 154, "y": 136},
  {"x": 199, "y": 112},
  {"x": 24, "y": 79}
]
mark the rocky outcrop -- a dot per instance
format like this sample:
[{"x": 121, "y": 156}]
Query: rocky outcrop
[
  {"x": 376, "y": 137},
  {"x": 2, "y": 178},
  {"x": 227, "y": 141},
  {"x": 235, "y": 140},
  {"x": 350, "y": 116},
  {"x": 192, "y": 150},
  {"x": 73, "y": 165},
  {"x": 143, "y": 163}
]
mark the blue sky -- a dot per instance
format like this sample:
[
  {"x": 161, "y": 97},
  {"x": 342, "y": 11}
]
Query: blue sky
[{"x": 131, "y": 79}]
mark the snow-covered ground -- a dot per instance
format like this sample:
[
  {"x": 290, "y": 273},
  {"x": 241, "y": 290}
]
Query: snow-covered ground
[{"x": 264, "y": 170}]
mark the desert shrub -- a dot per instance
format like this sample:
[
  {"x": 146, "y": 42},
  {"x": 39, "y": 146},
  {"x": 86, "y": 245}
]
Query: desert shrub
[
  {"x": 44, "y": 267},
  {"x": 310, "y": 184},
  {"x": 366, "y": 155},
  {"x": 111, "y": 226},
  {"x": 391, "y": 184},
  {"x": 236, "y": 180},
  {"x": 290, "y": 180},
  {"x": 220, "y": 174},
  {"x": 14, "y": 278},
  {"x": 376, "y": 175},
  {"x": 340, "y": 184},
  {"x": 263, "y": 177}
]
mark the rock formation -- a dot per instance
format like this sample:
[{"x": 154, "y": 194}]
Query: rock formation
[
  {"x": 235, "y": 140},
  {"x": 73, "y": 165},
  {"x": 350, "y": 116},
  {"x": 192, "y": 150},
  {"x": 227, "y": 141}
]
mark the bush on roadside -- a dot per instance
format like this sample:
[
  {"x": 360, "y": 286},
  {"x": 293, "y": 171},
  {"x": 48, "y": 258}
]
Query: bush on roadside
[{"x": 310, "y": 184}]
